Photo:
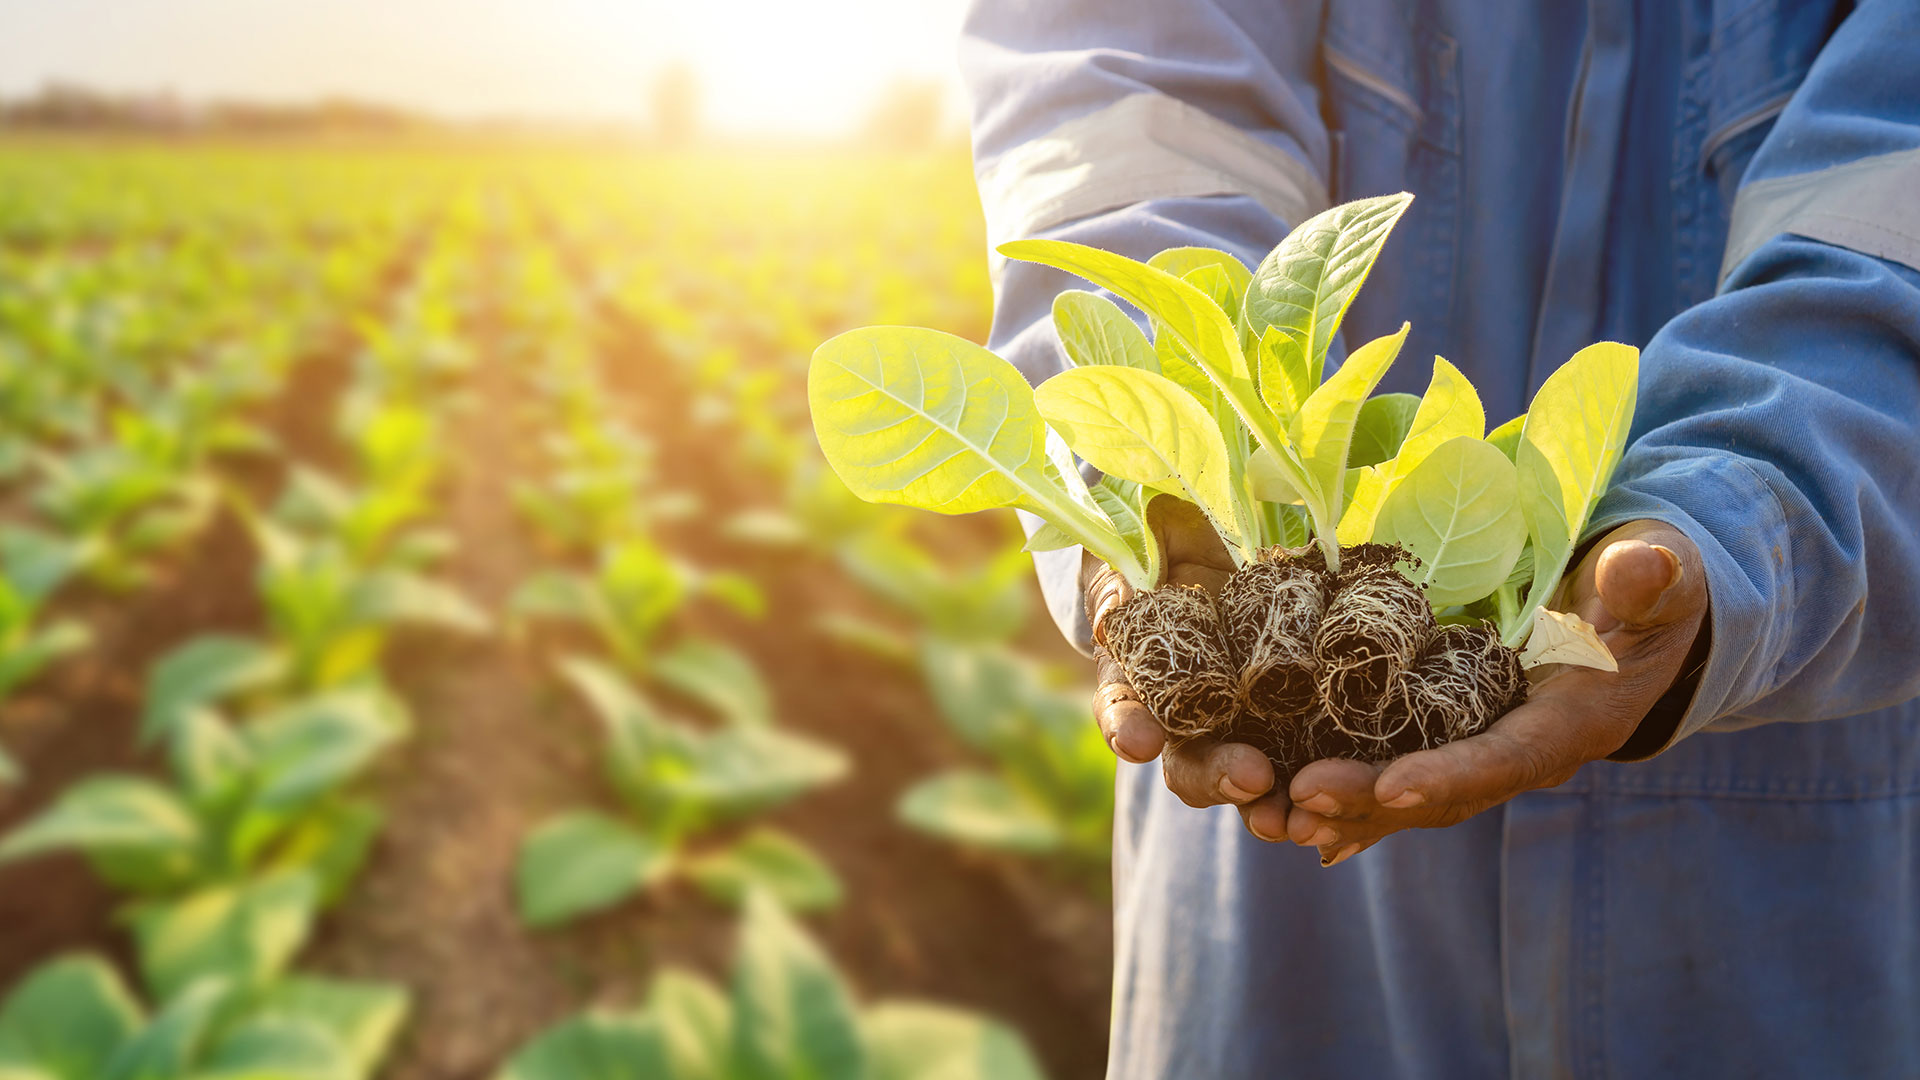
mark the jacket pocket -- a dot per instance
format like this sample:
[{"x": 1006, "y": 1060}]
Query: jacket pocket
[{"x": 1394, "y": 104}]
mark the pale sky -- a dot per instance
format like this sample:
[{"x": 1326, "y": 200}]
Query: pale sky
[{"x": 806, "y": 67}]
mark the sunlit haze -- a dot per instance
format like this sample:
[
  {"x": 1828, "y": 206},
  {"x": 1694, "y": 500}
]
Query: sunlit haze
[{"x": 765, "y": 67}]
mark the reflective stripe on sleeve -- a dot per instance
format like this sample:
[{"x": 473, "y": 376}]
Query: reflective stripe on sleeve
[
  {"x": 1871, "y": 206},
  {"x": 1144, "y": 146}
]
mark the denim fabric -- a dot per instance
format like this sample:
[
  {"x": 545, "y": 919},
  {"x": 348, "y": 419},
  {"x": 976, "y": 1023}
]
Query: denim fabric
[{"x": 1745, "y": 903}]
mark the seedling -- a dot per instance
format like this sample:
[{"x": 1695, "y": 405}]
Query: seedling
[{"x": 1374, "y": 538}]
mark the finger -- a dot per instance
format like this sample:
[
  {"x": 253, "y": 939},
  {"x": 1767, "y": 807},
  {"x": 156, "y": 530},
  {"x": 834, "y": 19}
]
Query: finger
[
  {"x": 1207, "y": 773},
  {"x": 1185, "y": 534},
  {"x": 1336, "y": 856},
  {"x": 1266, "y": 817},
  {"x": 1643, "y": 583},
  {"x": 1210, "y": 578},
  {"x": 1539, "y": 744},
  {"x": 1128, "y": 725},
  {"x": 1105, "y": 589},
  {"x": 1335, "y": 788}
]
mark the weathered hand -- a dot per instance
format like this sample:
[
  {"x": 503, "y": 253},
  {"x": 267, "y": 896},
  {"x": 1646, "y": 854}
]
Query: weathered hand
[
  {"x": 1203, "y": 772},
  {"x": 1644, "y": 589}
]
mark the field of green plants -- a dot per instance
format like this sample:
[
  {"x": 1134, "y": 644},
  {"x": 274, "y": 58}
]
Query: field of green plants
[{"x": 431, "y": 644}]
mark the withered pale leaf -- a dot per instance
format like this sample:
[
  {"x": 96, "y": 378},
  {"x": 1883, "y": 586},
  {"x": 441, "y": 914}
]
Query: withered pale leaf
[{"x": 1561, "y": 637}]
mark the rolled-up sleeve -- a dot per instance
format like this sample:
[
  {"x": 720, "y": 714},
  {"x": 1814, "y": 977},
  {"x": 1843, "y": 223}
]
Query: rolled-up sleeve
[
  {"x": 1779, "y": 422},
  {"x": 1135, "y": 127}
]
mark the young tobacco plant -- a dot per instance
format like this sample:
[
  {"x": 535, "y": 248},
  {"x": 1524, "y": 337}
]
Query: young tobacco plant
[
  {"x": 676, "y": 782},
  {"x": 787, "y": 1013},
  {"x": 74, "y": 1018}
]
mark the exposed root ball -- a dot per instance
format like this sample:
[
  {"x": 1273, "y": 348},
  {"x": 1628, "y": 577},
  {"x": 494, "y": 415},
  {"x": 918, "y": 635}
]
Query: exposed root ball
[
  {"x": 1169, "y": 642},
  {"x": 1464, "y": 680},
  {"x": 1272, "y": 612},
  {"x": 1374, "y": 628}
]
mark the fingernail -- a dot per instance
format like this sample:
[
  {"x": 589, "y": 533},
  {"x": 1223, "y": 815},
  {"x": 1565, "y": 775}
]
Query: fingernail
[
  {"x": 1345, "y": 854},
  {"x": 1256, "y": 830},
  {"x": 1232, "y": 791},
  {"x": 1322, "y": 836},
  {"x": 1675, "y": 568},
  {"x": 1321, "y": 803},
  {"x": 1406, "y": 800}
]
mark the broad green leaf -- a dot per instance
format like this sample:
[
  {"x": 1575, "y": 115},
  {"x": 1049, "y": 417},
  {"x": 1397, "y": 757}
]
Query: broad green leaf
[
  {"x": 1367, "y": 491},
  {"x": 42, "y": 647},
  {"x": 1573, "y": 437},
  {"x": 1380, "y": 428},
  {"x": 1304, "y": 285},
  {"x": 67, "y": 1018},
  {"x": 1184, "y": 310},
  {"x": 277, "y": 1048},
  {"x": 36, "y": 563},
  {"x": 1457, "y": 513},
  {"x": 245, "y": 932},
  {"x": 583, "y": 862},
  {"x": 695, "y": 1021},
  {"x": 1049, "y": 537},
  {"x": 769, "y": 859},
  {"x": 930, "y": 420},
  {"x": 331, "y": 841},
  {"x": 204, "y": 671},
  {"x": 166, "y": 1049},
  {"x": 1450, "y": 409},
  {"x": 1124, "y": 503},
  {"x": 307, "y": 748},
  {"x": 794, "y": 1018},
  {"x": 917, "y": 1041},
  {"x": 210, "y": 759},
  {"x": 363, "y": 1017},
  {"x": 595, "y": 1046},
  {"x": 1507, "y": 436},
  {"x": 719, "y": 676},
  {"x": 983, "y": 809},
  {"x": 398, "y": 596},
  {"x": 740, "y": 770},
  {"x": 1141, "y": 427},
  {"x": 1323, "y": 428},
  {"x": 976, "y": 686},
  {"x": 1285, "y": 382},
  {"x": 120, "y": 815},
  {"x": 1183, "y": 261},
  {"x": 1093, "y": 330}
]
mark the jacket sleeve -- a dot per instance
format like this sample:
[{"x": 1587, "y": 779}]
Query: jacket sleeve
[
  {"x": 1134, "y": 125},
  {"x": 1779, "y": 422}
]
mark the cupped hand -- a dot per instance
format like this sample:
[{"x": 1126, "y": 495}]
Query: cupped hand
[
  {"x": 1203, "y": 771},
  {"x": 1644, "y": 589}
]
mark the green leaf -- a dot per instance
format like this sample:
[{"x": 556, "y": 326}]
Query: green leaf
[
  {"x": 66, "y": 1019},
  {"x": 1506, "y": 437},
  {"x": 1458, "y": 513},
  {"x": 583, "y": 862},
  {"x": 977, "y": 687},
  {"x": 26, "y": 658},
  {"x": 1181, "y": 262},
  {"x": 311, "y": 746},
  {"x": 1450, "y": 409},
  {"x": 1049, "y": 537},
  {"x": 930, "y": 420},
  {"x": 1125, "y": 504},
  {"x": 277, "y": 1048},
  {"x": 980, "y": 808},
  {"x": 740, "y": 770},
  {"x": 695, "y": 1021},
  {"x": 917, "y": 1041},
  {"x": 595, "y": 1046},
  {"x": 1188, "y": 313},
  {"x": 1366, "y": 491},
  {"x": 794, "y": 1017},
  {"x": 166, "y": 1049},
  {"x": 1572, "y": 440},
  {"x": 362, "y": 1017},
  {"x": 772, "y": 860},
  {"x": 1380, "y": 428},
  {"x": 1093, "y": 330},
  {"x": 210, "y": 759},
  {"x": 331, "y": 841},
  {"x": 122, "y": 816},
  {"x": 1305, "y": 284},
  {"x": 399, "y": 596},
  {"x": 1141, "y": 427},
  {"x": 1323, "y": 428},
  {"x": 36, "y": 563},
  {"x": 204, "y": 671},
  {"x": 718, "y": 676},
  {"x": 245, "y": 932}
]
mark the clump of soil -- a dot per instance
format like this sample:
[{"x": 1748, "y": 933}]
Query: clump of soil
[
  {"x": 1307, "y": 664},
  {"x": 1170, "y": 643}
]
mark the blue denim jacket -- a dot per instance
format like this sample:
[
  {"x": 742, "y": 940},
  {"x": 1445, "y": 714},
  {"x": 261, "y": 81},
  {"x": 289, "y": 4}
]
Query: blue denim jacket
[{"x": 1733, "y": 185}]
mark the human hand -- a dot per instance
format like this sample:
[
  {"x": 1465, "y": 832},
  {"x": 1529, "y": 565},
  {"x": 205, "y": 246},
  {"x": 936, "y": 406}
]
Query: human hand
[
  {"x": 1643, "y": 587},
  {"x": 1202, "y": 771}
]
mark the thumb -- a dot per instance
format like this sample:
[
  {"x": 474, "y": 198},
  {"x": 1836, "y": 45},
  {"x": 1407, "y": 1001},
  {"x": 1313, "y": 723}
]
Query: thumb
[{"x": 1651, "y": 577}]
